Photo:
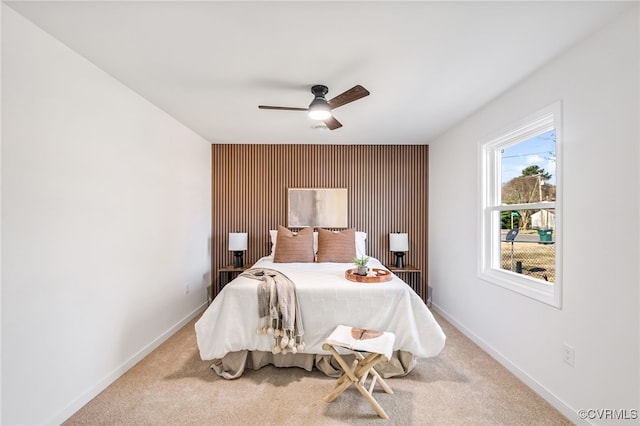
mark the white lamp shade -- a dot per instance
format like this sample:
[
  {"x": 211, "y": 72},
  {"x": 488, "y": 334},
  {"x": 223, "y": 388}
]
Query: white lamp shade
[
  {"x": 399, "y": 242},
  {"x": 238, "y": 241}
]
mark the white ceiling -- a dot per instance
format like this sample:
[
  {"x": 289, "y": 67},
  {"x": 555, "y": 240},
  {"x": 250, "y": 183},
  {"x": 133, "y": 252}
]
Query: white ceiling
[{"x": 427, "y": 65}]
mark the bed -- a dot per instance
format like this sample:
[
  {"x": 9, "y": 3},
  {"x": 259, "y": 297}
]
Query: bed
[{"x": 227, "y": 331}]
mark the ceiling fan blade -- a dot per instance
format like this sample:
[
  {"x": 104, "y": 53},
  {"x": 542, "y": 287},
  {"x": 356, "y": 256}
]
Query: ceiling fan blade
[
  {"x": 282, "y": 108},
  {"x": 353, "y": 94},
  {"x": 332, "y": 123}
]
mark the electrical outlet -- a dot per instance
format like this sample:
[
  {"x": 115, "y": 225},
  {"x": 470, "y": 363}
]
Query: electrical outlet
[
  {"x": 569, "y": 354},
  {"x": 187, "y": 289}
]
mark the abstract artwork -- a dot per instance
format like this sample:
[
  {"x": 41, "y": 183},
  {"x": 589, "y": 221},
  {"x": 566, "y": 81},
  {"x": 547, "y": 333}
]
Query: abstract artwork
[{"x": 317, "y": 207}]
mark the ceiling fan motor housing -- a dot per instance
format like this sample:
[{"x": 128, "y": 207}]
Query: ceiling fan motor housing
[
  {"x": 319, "y": 90},
  {"x": 319, "y": 102}
]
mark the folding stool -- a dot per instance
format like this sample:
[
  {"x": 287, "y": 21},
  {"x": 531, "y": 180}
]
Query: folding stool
[{"x": 378, "y": 345}]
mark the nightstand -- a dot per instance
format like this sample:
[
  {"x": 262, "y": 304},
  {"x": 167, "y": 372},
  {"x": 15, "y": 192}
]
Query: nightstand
[
  {"x": 227, "y": 273},
  {"x": 409, "y": 274}
]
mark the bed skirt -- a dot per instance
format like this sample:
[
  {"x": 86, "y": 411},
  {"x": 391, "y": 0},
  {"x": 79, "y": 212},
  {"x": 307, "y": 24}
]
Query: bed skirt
[{"x": 233, "y": 364}]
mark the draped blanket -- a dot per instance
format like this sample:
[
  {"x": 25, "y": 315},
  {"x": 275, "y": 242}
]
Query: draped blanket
[{"x": 278, "y": 309}]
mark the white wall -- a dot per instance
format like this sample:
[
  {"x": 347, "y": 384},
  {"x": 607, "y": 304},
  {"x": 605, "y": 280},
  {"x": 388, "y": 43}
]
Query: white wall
[
  {"x": 106, "y": 206},
  {"x": 597, "y": 82}
]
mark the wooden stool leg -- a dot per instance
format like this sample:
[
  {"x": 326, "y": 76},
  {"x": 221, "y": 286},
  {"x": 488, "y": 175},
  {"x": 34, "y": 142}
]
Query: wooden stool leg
[
  {"x": 367, "y": 365},
  {"x": 357, "y": 374},
  {"x": 377, "y": 375},
  {"x": 348, "y": 371},
  {"x": 372, "y": 401},
  {"x": 344, "y": 381},
  {"x": 337, "y": 391}
]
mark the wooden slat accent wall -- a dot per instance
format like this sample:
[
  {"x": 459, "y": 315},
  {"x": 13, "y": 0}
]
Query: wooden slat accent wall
[{"x": 387, "y": 192}]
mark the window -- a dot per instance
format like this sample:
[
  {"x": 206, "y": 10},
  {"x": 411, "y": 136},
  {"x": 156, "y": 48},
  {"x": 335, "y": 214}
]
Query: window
[{"x": 520, "y": 210}]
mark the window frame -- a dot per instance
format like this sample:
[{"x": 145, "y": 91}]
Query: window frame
[{"x": 546, "y": 119}]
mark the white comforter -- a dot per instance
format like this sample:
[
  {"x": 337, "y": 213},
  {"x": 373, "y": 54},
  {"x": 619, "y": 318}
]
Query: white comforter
[{"x": 327, "y": 299}]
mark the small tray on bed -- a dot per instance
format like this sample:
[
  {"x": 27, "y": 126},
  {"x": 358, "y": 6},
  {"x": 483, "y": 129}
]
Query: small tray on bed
[{"x": 382, "y": 275}]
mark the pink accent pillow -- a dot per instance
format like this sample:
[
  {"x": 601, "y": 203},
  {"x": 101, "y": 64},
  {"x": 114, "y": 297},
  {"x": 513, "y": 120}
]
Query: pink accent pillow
[
  {"x": 292, "y": 248},
  {"x": 336, "y": 246}
]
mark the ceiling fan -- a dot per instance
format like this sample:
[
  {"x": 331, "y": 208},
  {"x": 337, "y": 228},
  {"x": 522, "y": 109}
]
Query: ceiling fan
[{"x": 320, "y": 108}]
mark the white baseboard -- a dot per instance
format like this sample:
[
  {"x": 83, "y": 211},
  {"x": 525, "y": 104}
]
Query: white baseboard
[
  {"x": 91, "y": 393},
  {"x": 566, "y": 410}
]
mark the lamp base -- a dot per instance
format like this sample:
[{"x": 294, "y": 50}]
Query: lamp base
[
  {"x": 237, "y": 259},
  {"x": 399, "y": 259}
]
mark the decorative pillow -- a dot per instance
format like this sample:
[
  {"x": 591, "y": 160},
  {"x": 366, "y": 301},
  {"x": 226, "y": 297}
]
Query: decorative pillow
[
  {"x": 336, "y": 246},
  {"x": 273, "y": 235},
  {"x": 292, "y": 247},
  {"x": 361, "y": 244}
]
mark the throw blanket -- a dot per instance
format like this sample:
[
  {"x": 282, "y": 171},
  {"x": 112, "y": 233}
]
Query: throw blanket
[{"x": 278, "y": 310}]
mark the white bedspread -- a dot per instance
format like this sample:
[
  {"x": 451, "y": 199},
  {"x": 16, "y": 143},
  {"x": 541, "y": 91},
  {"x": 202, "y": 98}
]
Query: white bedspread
[{"x": 327, "y": 299}]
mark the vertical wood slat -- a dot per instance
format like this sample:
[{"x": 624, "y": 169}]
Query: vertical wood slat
[{"x": 387, "y": 192}]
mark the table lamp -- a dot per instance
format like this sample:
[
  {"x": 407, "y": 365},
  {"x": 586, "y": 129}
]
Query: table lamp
[
  {"x": 399, "y": 243},
  {"x": 237, "y": 244}
]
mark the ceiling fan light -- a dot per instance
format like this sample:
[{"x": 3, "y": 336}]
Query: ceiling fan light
[
  {"x": 319, "y": 109},
  {"x": 319, "y": 115}
]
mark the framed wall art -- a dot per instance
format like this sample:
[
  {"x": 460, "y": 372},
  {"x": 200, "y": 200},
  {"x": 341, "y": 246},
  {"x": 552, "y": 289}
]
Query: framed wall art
[{"x": 317, "y": 207}]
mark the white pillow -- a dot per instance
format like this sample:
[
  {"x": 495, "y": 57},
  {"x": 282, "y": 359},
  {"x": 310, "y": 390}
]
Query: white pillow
[
  {"x": 361, "y": 243},
  {"x": 273, "y": 234}
]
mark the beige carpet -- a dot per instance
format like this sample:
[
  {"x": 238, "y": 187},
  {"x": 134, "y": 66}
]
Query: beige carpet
[{"x": 172, "y": 386}]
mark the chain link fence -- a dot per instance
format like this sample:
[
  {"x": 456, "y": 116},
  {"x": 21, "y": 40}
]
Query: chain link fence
[{"x": 533, "y": 258}]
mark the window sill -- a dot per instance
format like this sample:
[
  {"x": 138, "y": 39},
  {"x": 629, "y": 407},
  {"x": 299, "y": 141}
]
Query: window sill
[{"x": 548, "y": 293}]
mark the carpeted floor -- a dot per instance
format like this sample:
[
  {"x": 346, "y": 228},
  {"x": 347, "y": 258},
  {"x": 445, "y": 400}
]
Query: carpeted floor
[{"x": 173, "y": 386}]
